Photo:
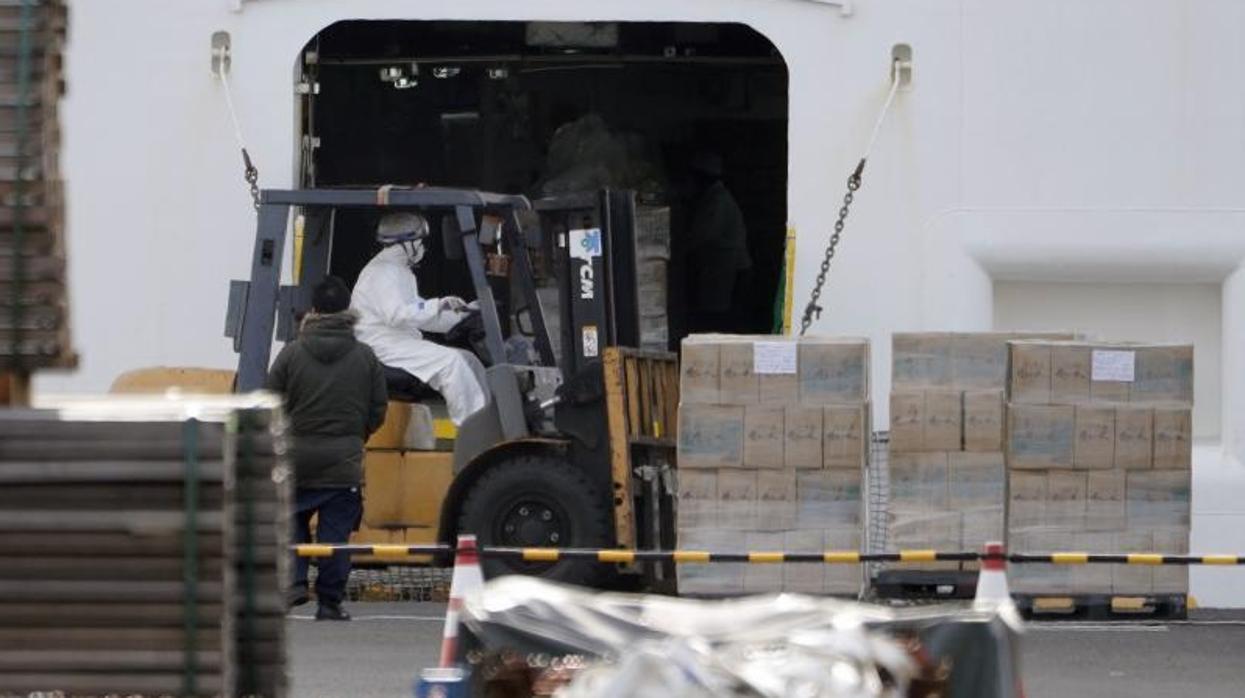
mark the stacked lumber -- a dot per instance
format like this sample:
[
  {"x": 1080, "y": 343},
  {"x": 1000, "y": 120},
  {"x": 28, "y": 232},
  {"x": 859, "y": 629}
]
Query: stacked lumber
[
  {"x": 141, "y": 548},
  {"x": 34, "y": 327}
]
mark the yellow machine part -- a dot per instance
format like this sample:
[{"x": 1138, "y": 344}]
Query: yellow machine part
[
  {"x": 402, "y": 496},
  {"x": 160, "y": 379}
]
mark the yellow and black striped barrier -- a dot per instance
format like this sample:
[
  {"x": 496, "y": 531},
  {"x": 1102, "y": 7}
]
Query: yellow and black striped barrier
[{"x": 847, "y": 557}]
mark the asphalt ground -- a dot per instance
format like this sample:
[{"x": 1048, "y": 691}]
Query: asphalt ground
[{"x": 380, "y": 652}]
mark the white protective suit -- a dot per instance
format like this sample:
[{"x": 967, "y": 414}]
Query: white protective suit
[{"x": 391, "y": 317}]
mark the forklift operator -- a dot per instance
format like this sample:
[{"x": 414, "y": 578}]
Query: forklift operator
[{"x": 393, "y": 316}]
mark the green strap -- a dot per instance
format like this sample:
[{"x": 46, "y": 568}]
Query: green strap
[
  {"x": 19, "y": 204},
  {"x": 190, "y": 556},
  {"x": 245, "y": 480}
]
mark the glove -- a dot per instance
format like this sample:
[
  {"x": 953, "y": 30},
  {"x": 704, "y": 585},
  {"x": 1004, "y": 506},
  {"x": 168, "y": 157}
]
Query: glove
[{"x": 453, "y": 304}]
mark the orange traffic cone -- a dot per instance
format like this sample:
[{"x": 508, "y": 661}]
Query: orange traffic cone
[
  {"x": 467, "y": 578},
  {"x": 992, "y": 582}
]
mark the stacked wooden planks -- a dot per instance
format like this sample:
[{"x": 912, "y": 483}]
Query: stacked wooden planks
[
  {"x": 140, "y": 549},
  {"x": 34, "y": 324}
]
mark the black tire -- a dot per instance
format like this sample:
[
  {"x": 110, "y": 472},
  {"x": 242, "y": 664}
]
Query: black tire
[{"x": 507, "y": 507}]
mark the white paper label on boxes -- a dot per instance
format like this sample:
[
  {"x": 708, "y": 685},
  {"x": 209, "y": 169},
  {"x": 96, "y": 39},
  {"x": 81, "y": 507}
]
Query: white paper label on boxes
[
  {"x": 1114, "y": 365},
  {"x": 774, "y": 357}
]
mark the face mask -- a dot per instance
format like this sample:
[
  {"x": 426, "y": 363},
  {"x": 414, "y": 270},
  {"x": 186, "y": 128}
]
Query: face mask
[{"x": 414, "y": 252}]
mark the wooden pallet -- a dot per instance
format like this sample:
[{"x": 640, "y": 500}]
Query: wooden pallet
[{"x": 1103, "y": 607}]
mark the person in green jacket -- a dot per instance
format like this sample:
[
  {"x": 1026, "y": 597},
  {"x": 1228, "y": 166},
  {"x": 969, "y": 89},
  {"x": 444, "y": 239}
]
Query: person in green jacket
[{"x": 335, "y": 396}]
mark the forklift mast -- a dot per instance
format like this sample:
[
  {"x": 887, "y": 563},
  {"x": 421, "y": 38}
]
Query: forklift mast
[{"x": 594, "y": 256}]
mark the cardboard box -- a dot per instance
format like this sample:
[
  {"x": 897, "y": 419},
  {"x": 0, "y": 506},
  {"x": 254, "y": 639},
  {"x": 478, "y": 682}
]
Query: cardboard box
[
  {"x": 975, "y": 481},
  {"x": 845, "y": 437},
  {"x": 843, "y": 580},
  {"x": 699, "y": 365},
  {"x": 1109, "y": 392},
  {"x": 1158, "y": 498},
  {"x": 717, "y": 579},
  {"x": 711, "y": 436},
  {"x": 1171, "y": 579},
  {"x": 1105, "y": 508},
  {"x": 1092, "y": 579},
  {"x": 737, "y": 500},
  {"x": 776, "y": 500},
  {"x": 1133, "y": 579},
  {"x": 698, "y": 499},
  {"x": 763, "y": 436},
  {"x": 944, "y": 425},
  {"x": 1173, "y": 438},
  {"x": 803, "y": 431},
  {"x": 1056, "y": 579},
  {"x": 1164, "y": 374},
  {"x": 928, "y": 530},
  {"x": 1070, "y": 374},
  {"x": 392, "y": 433},
  {"x": 920, "y": 361},
  {"x": 1029, "y": 373},
  {"x": 828, "y": 499},
  {"x": 427, "y": 476},
  {"x": 807, "y": 577},
  {"x": 1094, "y": 448},
  {"x": 1040, "y": 436},
  {"x": 382, "y": 489},
  {"x": 919, "y": 482},
  {"x": 763, "y": 578},
  {"x": 1066, "y": 493},
  {"x": 1026, "y": 505},
  {"x": 981, "y": 525},
  {"x": 983, "y": 420},
  {"x": 737, "y": 384},
  {"x": 979, "y": 360},
  {"x": 1134, "y": 438},
  {"x": 779, "y": 388},
  {"x": 833, "y": 372},
  {"x": 907, "y": 422}
]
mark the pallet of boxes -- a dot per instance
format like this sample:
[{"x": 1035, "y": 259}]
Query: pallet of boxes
[
  {"x": 945, "y": 465},
  {"x": 1099, "y": 457},
  {"x": 773, "y": 441}
]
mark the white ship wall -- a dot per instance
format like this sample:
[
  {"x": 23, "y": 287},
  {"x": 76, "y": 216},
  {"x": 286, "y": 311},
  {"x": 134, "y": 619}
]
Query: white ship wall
[{"x": 1051, "y": 142}]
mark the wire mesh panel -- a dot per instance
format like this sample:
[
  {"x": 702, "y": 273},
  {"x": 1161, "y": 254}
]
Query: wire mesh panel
[{"x": 877, "y": 499}]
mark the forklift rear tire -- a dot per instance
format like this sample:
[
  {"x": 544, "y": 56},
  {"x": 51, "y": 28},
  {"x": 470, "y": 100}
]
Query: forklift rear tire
[{"x": 538, "y": 501}]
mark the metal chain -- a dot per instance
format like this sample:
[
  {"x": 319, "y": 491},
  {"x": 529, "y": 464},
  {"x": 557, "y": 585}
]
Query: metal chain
[
  {"x": 813, "y": 310},
  {"x": 251, "y": 175}
]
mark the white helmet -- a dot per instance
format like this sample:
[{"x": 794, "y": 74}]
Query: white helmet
[{"x": 405, "y": 228}]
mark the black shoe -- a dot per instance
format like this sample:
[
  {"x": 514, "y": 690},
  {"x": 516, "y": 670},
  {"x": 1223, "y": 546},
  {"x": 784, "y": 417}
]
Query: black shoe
[
  {"x": 331, "y": 612},
  {"x": 296, "y": 596}
]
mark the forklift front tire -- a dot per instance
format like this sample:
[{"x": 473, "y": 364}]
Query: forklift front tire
[{"x": 536, "y": 501}]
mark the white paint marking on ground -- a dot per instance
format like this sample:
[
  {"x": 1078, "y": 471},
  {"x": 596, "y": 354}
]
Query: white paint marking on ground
[
  {"x": 1099, "y": 627},
  {"x": 428, "y": 619}
]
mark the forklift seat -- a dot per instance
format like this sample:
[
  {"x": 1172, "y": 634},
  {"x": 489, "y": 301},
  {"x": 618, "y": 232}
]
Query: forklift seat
[{"x": 404, "y": 387}]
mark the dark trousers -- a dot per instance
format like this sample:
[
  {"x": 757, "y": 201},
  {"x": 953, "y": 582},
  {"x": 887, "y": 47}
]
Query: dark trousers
[{"x": 339, "y": 510}]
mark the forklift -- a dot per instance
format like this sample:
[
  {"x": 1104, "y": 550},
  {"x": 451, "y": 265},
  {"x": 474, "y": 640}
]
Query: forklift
[{"x": 575, "y": 448}]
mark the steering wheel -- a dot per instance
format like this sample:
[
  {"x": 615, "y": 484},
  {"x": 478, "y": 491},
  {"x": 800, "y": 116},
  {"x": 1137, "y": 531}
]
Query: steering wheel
[{"x": 469, "y": 334}]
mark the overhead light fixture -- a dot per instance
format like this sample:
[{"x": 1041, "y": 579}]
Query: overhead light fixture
[{"x": 399, "y": 77}]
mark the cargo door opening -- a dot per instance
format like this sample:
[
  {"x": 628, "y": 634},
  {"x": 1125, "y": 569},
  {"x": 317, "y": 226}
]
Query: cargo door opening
[{"x": 541, "y": 108}]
